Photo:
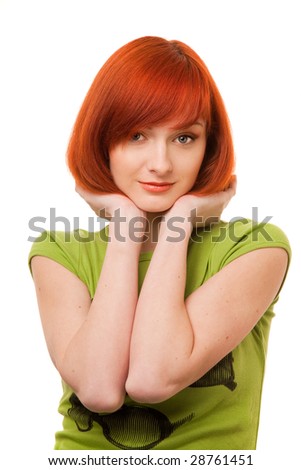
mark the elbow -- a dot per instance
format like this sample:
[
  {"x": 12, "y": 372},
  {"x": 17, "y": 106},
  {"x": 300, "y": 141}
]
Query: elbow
[
  {"x": 96, "y": 396},
  {"x": 148, "y": 390},
  {"x": 107, "y": 402}
]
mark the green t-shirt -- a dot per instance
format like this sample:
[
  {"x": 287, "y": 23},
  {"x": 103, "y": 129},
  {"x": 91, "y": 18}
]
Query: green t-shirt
[{"x": 218, "y": 411}]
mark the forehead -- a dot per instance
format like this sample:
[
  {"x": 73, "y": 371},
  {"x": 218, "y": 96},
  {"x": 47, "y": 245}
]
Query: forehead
[
  {"x": 179, "y": 96},
  {"x": 173, "y": 125}
]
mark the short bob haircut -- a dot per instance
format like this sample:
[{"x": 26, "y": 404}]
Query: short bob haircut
[{"x": 148, "y": 82}]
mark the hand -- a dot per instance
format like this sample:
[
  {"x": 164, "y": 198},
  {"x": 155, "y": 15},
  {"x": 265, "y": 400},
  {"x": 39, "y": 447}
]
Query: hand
[
  {"x": 201, "y": 210},
  {"x": 106, "y": 204}
]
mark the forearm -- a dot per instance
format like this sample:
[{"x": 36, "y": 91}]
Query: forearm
[
  {"x": 162, "y": 338},
  {"x": 95, "y": 364}
]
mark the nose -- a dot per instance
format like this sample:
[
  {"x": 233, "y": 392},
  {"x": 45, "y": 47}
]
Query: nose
[{"x": 159, "y": 160}]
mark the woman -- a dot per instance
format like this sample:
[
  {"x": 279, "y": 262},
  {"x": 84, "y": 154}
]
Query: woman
[{"x": 158, "y": 325}]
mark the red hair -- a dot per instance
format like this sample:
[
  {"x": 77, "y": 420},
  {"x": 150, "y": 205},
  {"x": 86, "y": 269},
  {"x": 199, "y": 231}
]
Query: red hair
[{"x": 149, "y": 81}]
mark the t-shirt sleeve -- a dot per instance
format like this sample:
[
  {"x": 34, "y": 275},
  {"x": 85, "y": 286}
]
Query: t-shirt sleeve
[
  {"x": 61, "y": 247},
  {"x": 242, "y": 236}
]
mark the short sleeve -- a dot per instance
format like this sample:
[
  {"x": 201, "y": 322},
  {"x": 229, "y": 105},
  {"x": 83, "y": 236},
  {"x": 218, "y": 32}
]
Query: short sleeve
[
  {"x": 244, "y": 235},
  {"x": 61, "y": 247}
]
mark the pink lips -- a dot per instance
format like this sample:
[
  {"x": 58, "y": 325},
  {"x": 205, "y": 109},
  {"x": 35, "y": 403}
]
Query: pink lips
[{"x": 154, "y": 187}]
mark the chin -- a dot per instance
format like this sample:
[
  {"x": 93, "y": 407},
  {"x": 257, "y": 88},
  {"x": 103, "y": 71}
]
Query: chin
[{"x": 157, "y": 207}]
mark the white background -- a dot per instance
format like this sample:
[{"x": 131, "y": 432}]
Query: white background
[{"x": 50, "y": 53}]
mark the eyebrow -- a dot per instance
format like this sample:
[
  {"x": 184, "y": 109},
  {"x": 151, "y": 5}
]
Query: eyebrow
[{"x": 198, "y": 123}]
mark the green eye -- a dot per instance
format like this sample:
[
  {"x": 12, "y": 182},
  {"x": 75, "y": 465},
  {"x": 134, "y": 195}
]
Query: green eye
[
  {"x": 184, "y": 139},
  {"x": 135, "y": 137}
]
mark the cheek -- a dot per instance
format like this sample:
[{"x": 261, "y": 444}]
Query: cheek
[
  {"x": 113, "y": 170},
  {"x": 190, "y": 171},
  {"x": 193, "y": 169},
  {"x": 199, "y": 160},
  {"x": 116, "y": 163}
]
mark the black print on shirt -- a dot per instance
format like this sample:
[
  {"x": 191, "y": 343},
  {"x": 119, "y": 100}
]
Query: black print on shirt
[
  {"x": 221, "y": 374},
  {"x": 138, "y": 427},
  {"x": 131, "y": 427}
]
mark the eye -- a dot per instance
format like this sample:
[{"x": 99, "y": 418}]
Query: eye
[
  {"x": 136, "y": 137},
  {"x": 185, "y": 139}
]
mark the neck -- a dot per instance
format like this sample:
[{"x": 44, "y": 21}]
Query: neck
[{"x": 152, "y": 231}]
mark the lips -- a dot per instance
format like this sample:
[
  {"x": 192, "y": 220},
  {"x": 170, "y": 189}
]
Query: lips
[{"x": 155, "y": 187}]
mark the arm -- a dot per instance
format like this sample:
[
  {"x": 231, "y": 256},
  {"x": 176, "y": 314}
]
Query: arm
[
  {"x": 89, "y": 342},
  {"x": 175, "y": 342}
]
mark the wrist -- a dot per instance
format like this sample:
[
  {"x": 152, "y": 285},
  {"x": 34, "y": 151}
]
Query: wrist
[
  {"x": 127, "y": 229},
  {"x": 175, "y": 229}
]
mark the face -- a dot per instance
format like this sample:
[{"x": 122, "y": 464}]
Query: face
[{"x": 157, "y": 165}]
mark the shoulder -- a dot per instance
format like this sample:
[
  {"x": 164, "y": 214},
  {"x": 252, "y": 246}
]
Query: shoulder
[
  {"x": 244, "y": 235},
  {"x": 213, "y": 250},
  {"x": 69, "y": 249},
  {"x": 226, "y": 241}
]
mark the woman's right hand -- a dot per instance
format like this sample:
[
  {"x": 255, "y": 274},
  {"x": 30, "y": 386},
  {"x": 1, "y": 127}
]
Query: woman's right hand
[
  {"x": 105, "y": 205},
  {"x": 127, "y": 221}
]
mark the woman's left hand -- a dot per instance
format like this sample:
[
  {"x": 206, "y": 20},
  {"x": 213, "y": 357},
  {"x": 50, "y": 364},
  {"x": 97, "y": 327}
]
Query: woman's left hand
[{"x": 202, "y": 211}]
